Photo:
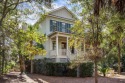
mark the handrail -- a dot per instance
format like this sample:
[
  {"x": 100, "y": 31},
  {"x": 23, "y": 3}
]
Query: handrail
[{"x": 66, "y": 53}]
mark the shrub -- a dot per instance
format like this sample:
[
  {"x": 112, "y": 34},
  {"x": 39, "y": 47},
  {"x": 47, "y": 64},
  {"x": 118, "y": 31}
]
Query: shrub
[
  {"x": 86, "y": 69},
  {"x": 62, "y": 69},
  {"x": 123, "y": 63}
]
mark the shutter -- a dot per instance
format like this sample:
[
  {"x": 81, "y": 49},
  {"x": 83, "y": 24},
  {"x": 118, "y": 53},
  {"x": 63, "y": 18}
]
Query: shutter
[
  {"x": 51, "y": 25},
  {"x": 60, "y": 26},
  {"x": 57, "y": 25},
  {"x": 69, "y": 28},
  {"x": 66, "y": 26}
]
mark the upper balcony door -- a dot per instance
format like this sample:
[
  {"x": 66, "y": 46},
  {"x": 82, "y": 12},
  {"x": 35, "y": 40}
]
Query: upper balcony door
[
  {"x": 63, "y": 48},
  {"x": 63, "y": 27}
]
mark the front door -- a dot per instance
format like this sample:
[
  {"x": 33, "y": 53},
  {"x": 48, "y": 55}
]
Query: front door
[{"x": 63, "y": 48}]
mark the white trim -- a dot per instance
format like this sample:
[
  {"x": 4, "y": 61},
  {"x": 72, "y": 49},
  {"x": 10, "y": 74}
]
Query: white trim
[
  {"x": 67, "y": 45},
  {"x": 66, "y": 19},
  {"x": 57, "y": 48},
  {"x": 54, "y": 10}
]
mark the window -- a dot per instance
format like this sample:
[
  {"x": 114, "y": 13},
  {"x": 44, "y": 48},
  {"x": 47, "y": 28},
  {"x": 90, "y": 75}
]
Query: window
[
  {"x": 54, "y": 45},
  {"x": 53, "y": 25},
  {"x": 63, "y": 27},
  {"x": 60, "y": 26}
]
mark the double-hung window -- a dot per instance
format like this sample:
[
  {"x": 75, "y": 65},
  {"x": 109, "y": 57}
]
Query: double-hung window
[
  {"x": 53, "y": 25},
  {"x": 60, "y": 26},
  {"x": 63, "y": 27}
]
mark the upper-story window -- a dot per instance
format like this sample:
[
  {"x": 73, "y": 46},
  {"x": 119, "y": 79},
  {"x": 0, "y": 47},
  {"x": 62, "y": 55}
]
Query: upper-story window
[
  {"x": 63, "y": 27},
  {"x": 53, "y": 25},
  {"x": 60, "y": 26}
]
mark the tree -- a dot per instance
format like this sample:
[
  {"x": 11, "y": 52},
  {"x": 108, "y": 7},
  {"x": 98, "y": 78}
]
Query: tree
[
  {"x": 8, "y": 6},
  {"x": 34, "y": 37},
  {"x": 117, "y": 32},
  {"x": 93, "y": 32},
  {"x": 117, "y": 6},
  {"x": 8, "y": 11}
]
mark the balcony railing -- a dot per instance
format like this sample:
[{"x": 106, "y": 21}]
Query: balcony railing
[{"x": 63, "y": 53}]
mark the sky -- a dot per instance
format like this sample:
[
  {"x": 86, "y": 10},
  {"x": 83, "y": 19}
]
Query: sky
[
  {"x": 55, "y": 4},
  {"x": 59, "y": 3}
]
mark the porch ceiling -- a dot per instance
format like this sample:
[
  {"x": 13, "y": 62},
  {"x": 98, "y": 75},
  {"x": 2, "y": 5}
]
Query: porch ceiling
[{"x": 61, "y": 34}]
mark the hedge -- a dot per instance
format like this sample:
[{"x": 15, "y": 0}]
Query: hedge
[{"x": 62, "y": 69}]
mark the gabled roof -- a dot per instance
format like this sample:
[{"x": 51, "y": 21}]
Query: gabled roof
[{"x": 54, "y": 10}]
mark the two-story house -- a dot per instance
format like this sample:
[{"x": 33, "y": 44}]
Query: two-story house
[{"x": 56, "y": 27}]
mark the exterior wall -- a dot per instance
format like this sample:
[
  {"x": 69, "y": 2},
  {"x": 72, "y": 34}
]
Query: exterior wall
[
  {"x": 63, "y": 13},
  {"x": 52, "y": 18},
  {"x": 45, "y": 28}
]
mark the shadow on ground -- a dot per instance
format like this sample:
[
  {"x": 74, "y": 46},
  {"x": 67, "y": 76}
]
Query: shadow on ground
[
  {"x": 14, "y": 77},
  {"x": 35, "y": 78},
  {"x": 52, "y": 79}
]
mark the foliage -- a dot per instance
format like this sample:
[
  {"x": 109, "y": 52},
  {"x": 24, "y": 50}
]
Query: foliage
[
  {"x": 62, "y": 69},
  {"x": 103, "y": 66},
  {"x": 13, "y": 39},
  {"x": 86, "y": 69},
  {"x": 123, "y": 62}
]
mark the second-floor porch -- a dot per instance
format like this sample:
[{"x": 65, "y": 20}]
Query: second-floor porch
[{"x": 59, "y": 46}]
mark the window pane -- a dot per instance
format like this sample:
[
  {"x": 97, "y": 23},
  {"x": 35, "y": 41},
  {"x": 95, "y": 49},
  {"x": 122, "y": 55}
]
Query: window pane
[
  {"x": 63, "y": 27},
  {"x": 54, "y": 25},
  {"x": 60, "y": 26}
]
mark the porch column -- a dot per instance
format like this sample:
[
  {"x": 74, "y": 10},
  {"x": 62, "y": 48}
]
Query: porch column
[
  {"x": 84, "y": 47},
  {"x": 57, "y": 53},
  {"x": 50, "y": 46},
  {"x": 67, "y": 46}
]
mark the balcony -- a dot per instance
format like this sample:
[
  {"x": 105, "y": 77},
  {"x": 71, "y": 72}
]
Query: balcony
[{"x": 63, "y": 53}]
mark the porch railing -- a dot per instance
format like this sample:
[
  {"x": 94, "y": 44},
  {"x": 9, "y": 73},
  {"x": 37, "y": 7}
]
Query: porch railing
[{"x": 63, "y": 53}]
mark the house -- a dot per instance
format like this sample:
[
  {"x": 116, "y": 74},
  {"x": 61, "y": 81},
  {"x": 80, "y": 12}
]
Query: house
[{"x": 56, "y": 27}]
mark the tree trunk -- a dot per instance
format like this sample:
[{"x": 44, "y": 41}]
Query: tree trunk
[
  {"x": 78, "y": 71},
  {"x": 31, "y": 66},
  {"x": 119, "y": 59},
  {"x": 3, "y": 53},
  {"x": 22, "y": 65},
  {"x": 3, "y": 59},
  {"x": 96, "y": 74}
]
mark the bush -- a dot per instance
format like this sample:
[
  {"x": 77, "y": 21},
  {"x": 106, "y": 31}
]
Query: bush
[
  {"x": 86, "y": 69},
  {"x": 62, "y": 69},
  {"x": 123, "y": 63}
]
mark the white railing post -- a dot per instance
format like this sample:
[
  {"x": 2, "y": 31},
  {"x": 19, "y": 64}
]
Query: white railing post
[
  {"x": 84, "y": 47},
  {"x": 67, "y": 46},
  {"x": 50, "y": 45},
  {"x": 57, "y": 52}
]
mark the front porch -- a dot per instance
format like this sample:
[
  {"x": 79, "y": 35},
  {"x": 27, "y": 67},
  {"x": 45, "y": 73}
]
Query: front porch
[{"x": 59, "y": 48}]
